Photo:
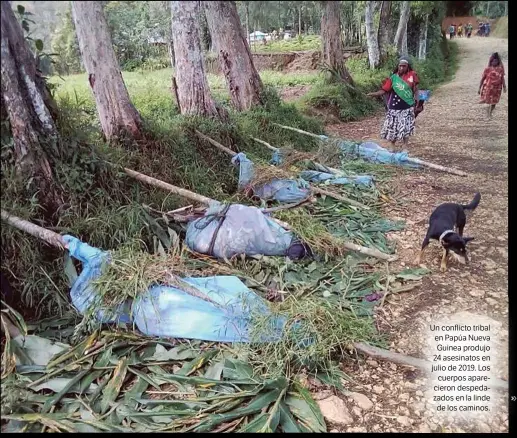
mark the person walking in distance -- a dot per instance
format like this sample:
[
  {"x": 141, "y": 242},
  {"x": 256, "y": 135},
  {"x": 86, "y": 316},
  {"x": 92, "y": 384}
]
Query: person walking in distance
[{"x": 492, "y": 83}]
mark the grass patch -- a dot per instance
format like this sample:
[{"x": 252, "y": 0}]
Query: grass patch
[
  {"x": 501, "y": 28},
  {"x": 297, "y": 44}
]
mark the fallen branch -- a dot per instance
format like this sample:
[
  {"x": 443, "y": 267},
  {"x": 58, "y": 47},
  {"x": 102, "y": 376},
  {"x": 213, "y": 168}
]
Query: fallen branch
[
  {"x": 402, "y": 359},
  {"x": 409, "y": 160}
]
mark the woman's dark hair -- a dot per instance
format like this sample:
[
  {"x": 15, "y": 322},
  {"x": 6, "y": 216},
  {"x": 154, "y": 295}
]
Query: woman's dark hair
[{"x": 496, "y": 56}]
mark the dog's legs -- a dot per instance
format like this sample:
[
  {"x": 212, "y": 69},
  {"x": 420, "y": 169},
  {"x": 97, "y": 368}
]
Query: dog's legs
[
  {"x": 421, "y": 253},
  {"x": 460, "y": 230},
  {"x": 443, "y": 265}
]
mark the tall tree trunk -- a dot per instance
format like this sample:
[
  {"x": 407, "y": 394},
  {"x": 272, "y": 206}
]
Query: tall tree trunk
[
  {"x": 422, "y": 48},
  {"x": 117, "y": 115},
  {"x": 402, "y": 27},
  {"x": 247, "y": 23},
  {"x": 404, "y": 50},
  {"x": 234, "y": 54},
  {"x": 193, "y": 90},
  {"x": 170, "y": 51},
  {"x": 300, "y": 19},
  {"x": 331, "y": 40},
  {"x": 26, "y": 103},
  {"x": 371, "y": 35},
  {"x": 383, "y": 34}
]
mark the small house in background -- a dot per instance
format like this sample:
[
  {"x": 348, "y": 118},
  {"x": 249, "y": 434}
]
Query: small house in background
[{"x": 258, "y": 36}]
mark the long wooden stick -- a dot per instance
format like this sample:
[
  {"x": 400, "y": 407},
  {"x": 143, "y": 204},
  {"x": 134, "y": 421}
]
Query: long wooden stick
[
  {"x": 56, "y": 239},
  {"x": 51, "y": 237},
  {"x": 169, "y": 187},
  {"x": 436, "y": 166},
  {"x": 314, "y": 189},
  {"x": 215, "y": 143},
  {"x": 372, "y": 252},
  {"x": 339, "y": 197},
  {"x": 410, "y": 160},
  {"x": 300, "y": 131},
  {"x": 402, "y": 359}
]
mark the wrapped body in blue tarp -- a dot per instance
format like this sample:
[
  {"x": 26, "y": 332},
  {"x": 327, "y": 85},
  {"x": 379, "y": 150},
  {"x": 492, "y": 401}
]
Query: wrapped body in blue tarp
[
  {"x": 170, "y": 312},
  {"x": 322, "y": 174},
  {"x": 281, "y": 190},
  {"x": 226, "y": 231},
  {"x": 375, "y": 153}
]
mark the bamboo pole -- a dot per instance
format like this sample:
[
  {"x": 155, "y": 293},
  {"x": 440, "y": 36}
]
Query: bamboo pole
[
  {"x": 410, "y": 160},
  {"x": 314, "y": 189}
]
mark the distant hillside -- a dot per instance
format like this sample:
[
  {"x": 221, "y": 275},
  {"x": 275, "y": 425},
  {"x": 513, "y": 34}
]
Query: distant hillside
[{"x": 46, "y": 16}]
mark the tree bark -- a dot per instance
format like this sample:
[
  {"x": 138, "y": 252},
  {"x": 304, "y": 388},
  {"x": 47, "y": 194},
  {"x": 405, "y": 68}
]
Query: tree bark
[
  {"x": 26, "y": 103},
  {"x": 422, "y": 48},
  {"x": 300, "y": 19},
  {"x": 402, "y": 28},
  {"x": 117, "y": 115},
  {"x": 234, "y": 54},
  {"x": 383, "y": 34},
  {"x": 331, "y": 39},
  {"x": 193, "y": 90},
  {"x": 371, "y": 35}
]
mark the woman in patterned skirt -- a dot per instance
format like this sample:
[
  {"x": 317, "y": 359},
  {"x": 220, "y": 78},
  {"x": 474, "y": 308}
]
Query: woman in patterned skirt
[
  {"x": 492, "y": 82},
  {"x": 401, "y": 88}
]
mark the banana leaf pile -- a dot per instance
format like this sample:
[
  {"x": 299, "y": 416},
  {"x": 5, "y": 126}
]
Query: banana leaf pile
[{"x": 122, "y": 382}]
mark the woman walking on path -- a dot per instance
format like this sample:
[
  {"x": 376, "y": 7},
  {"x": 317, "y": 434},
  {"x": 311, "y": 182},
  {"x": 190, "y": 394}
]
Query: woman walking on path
[
  {"x": 401, "y": 87},
  {"x": 492, "y": 83}
]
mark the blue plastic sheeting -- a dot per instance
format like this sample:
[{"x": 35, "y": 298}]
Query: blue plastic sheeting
[
  {"x": 424, "y": 95},
  {"x": 284, "y": 190},
  {"x": 83, "y": 294},
  {"x": 170, "y": 312},
  {"x": 371, "y": 151},
  {"x": 229, "y": 230},
  {"x": 315, "y": 176}
]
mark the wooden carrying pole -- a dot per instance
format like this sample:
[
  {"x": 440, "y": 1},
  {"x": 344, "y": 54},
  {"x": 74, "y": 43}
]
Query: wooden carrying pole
[
  {"x": 410, "y": 160},
  {"x": 51, "y": 237},
  {"x": 314, "y": 189}
]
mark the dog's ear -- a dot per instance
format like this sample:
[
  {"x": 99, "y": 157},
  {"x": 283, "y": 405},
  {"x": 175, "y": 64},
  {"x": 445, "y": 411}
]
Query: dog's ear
[{"x": 467, "y": 239}]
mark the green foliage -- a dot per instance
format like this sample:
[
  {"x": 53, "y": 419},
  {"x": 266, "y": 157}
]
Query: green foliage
[{"x": 305, "y": 42}]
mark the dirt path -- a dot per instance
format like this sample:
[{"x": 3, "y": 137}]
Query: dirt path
[{"x": 453, "y": 130}]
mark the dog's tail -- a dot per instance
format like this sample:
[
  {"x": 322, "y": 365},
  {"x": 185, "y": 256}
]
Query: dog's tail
[{"x": 474, "y": 203}]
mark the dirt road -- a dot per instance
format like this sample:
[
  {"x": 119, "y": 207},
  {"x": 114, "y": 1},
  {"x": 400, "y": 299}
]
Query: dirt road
[{"x": 453, "y": 131}]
